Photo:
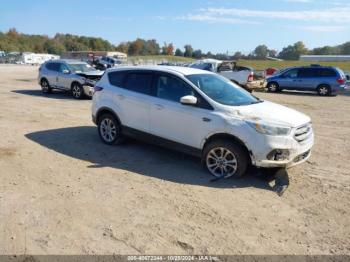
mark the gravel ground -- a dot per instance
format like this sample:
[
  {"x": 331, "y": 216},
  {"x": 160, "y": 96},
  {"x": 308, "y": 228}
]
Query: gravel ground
[{"x": 64, "y": 192}]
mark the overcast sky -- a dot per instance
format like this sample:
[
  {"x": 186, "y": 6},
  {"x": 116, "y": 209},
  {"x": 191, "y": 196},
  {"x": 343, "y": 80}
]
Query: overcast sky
[{"x": 211, "y": 25}]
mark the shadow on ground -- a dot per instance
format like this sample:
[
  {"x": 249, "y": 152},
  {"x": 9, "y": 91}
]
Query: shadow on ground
[
  {"x": 83, "y": 143},
  {"x": 56, "y": 94}
]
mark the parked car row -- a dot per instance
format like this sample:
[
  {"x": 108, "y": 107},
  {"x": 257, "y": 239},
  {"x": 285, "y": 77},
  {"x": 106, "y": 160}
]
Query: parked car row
[{"x": 190, "y": 110}]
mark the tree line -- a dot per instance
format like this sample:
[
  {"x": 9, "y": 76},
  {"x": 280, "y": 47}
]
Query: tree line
[{"x": 12, "y": 40}]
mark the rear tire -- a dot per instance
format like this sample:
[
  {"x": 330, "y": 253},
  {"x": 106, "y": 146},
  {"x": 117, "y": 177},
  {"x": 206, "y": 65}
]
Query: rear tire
[
  {"x": 224, "y": 158},
  {"x": 77, "y": 91},
  {"x": 324, "y": 90},
  {"x": 109, "y": 130},
  {"x": 45, "y": 86},
  {"x": 273, "y": 87}
]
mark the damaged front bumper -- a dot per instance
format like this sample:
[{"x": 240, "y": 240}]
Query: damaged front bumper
[
  {"x": 282, "y": 151},
  {"x": 88, "y": 90}
]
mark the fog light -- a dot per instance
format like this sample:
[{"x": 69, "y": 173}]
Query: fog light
[{"x": 278, "y": 154}]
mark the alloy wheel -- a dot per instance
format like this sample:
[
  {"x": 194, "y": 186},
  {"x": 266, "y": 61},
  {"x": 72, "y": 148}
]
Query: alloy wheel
[
  {"x": 221, "y": 162},
  {"x": 76, "y": 91},
  {"x": 108, "y": 130},
  {"x": 323, "y": 90}
]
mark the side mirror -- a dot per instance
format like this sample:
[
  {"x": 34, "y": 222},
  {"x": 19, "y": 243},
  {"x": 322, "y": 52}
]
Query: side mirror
[
  {"x": 188, "y": 100},
  {"x": 66, "y": 71}
]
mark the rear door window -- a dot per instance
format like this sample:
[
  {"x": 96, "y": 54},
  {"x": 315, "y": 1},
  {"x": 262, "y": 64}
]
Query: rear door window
[
  {"x": 140, "y": 82},
  {"x": 307, "y": 72}
]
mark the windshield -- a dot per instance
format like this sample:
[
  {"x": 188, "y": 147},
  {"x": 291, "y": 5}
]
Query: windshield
[
  {"x": 81, "y": 68},
  {"x": 222, "y": 90}
]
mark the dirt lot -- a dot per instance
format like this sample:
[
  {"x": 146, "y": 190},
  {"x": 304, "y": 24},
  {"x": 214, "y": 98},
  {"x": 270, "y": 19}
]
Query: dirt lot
[{"x": 63, "y": 192}]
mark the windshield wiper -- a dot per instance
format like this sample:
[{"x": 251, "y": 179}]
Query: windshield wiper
[{"x": 257, "y": 102}]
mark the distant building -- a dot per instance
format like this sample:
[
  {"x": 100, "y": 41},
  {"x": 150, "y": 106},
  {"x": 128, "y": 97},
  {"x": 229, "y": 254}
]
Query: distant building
[
  {"x": 92, "y": 55},
  {"x": 326, "y": 58}
]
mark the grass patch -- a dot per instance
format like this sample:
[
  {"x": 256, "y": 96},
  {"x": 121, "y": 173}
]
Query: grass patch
[
  {"x": 256, "y": 64},
  {"x": 263, "y": 64}
]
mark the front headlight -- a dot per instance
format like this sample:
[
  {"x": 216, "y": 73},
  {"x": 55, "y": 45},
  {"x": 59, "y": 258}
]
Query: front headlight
[{"x": 269, "y": 129}]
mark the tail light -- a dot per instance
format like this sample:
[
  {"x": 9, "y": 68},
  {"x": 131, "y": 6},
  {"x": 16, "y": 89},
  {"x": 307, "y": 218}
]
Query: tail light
[
  {"x": 97, "y": 89},
  {"x": 341, "y": 81},
  {"x": 251, "y": 77}
]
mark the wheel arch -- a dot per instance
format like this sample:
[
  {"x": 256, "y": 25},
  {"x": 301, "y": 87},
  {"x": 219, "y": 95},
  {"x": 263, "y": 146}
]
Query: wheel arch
[
  {"x": 75, "y": 82},
  {"x": 324, "y": 84},
  {"x": 273, "y": 81},
  {"x": 106, "y": 110},
  {"x": 44, "y": 78},
  {"x": 227, "y": 136}
]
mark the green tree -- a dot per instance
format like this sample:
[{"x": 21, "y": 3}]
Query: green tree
[
  {"x": 123, "y": 47},
  {"x": 197, "y": 54},
  {"x": 293, "y": 52},
  {"x": 345, "y": 48},
  {"x": 237, "y": 55},
  {"x": 261, "y": 52},
  {"x": 188, "y": 51},
  {"x": 136, "y": 47},
  {"x": 178, "y": 52}
]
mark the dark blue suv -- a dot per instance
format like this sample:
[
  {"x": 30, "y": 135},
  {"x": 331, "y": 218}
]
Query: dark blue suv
[{"x": 324, "y": 80}]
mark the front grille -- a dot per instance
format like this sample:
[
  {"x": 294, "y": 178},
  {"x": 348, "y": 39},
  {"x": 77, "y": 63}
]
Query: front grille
[{"x": 303, "y": 133}]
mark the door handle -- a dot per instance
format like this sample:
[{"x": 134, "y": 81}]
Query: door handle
[
  {"x": 159, "y": 107},
  {"x": 205, "y": 119},
  {"x": 121, "y": 97}
]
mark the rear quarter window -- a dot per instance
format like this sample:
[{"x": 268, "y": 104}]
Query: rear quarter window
[
  {"x": 116, "y": 78},
  {"x": 327, "y": 72},
  {"x": 53, "y": 66}
]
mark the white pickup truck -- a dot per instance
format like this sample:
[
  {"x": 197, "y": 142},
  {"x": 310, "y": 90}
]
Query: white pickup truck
[{"x": 240, "y": 75}]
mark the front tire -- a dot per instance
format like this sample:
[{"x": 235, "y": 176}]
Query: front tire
[
  {"x": 109, "y": 130},
  {"x": 77, "y": 91},
  {"x": 224, "y": 158},
  {"x": 45, "y": 86}
]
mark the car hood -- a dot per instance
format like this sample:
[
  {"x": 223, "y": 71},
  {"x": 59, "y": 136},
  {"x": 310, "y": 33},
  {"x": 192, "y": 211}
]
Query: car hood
[
  {"x": 91, "y": 73},
  {"x": 271, "y": 113}
]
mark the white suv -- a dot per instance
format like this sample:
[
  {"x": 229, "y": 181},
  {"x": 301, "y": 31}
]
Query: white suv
[{"x": 200, "y": 113}]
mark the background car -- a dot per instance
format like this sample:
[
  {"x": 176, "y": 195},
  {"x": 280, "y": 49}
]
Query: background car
[
  {"x": 324, "y": 80},
  {"x": 240, "y": 75},
  {"x": 68, "y": 75}
]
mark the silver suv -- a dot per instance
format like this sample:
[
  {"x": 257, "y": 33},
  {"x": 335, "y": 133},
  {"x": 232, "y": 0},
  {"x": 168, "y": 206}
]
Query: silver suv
[{"x": 69, "y": 75}]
